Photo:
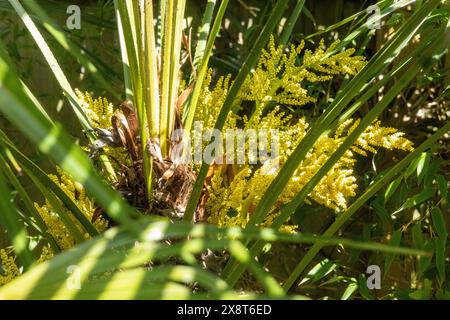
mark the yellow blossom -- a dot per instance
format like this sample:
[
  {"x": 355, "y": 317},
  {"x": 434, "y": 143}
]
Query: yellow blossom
[
  {"x": 211, "y": 100},
  {"x": 55, "y": 225},
  {"x": 10, "y": 269},
  {"x": 46, "y": 254},
  {"x": 98, "y": 111},
  {"x": 280, "y": 78}
]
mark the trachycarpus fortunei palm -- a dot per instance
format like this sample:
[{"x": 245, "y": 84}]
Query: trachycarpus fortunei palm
[
  {"x": 166, "y": 109},
  {"x": 151, "y": 62}
]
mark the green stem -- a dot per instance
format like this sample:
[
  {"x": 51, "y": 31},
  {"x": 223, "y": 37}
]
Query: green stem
[
  {"x": 203, "y": 32},
  {"x": 290, "y": 24},
  {"x": 175, "y": 66},
  {"x": 192, "y": 104},
  {"x": 17, "y": 232}
]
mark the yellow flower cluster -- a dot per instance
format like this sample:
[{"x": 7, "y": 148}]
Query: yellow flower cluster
[
  {"x": 376, "y": 136},
  {"x": 10, "y": 269},
  {"x": 98, "y": 111},
  {"x": 333, "y": 191},
  {"x": 279, "y": 78},
  {"x": 211, "y": 100},
  {"x": 56, "y": 227},
  {"x": 46, "y": 254}
]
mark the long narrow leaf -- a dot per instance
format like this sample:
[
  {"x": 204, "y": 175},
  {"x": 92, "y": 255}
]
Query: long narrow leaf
[
  {"x": 17, "y": 233},
  {"x": 118, "y": 250},
  {"x": 290, "y": 24},
  {"x": 69, "y": 45},
  {"x": 54, "y": 142},
  {"x": 191, "y": 106},
  {"x": 53, "y": 63},
  {"x": 37, "y": 174},
  {"x": 41, "y": 227},
  {"x": 61, "y": 78}
]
